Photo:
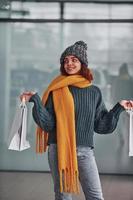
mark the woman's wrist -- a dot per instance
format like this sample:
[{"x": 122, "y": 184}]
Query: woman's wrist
[
  {"x": 27, "y": 95},
  {"x": 127, "y": 104}
]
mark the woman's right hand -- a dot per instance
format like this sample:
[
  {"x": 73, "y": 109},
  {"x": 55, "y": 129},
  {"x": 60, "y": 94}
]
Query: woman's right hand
[{"x": 26, "y": 95}]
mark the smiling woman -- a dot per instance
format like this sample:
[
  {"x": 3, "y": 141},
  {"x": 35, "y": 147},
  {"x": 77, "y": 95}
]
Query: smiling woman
[
  {"x": 32, "y": 36},
  {"x": 71, "y": 110}
]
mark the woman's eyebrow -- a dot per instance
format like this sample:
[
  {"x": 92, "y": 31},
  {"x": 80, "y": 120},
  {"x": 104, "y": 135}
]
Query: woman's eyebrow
[{"x": 70, "y": 58}]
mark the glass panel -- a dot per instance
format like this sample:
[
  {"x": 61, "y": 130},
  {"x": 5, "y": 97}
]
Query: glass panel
[
  {"x": 122, "y": 11},
  {"x": 97, "y": 11},
  {"x": 4, "y": 8},
  {"x": 35, "y": 10},
  {"x": 85, "y": 11}
]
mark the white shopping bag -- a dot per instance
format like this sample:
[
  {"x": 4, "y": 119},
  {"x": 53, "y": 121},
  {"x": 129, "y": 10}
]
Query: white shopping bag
[
  {"x": 130, "y": 132},
  {"x": 18, "y": 132}
]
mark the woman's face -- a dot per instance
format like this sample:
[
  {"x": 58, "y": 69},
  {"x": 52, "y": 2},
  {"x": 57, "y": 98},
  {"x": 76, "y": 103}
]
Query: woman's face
[{"x": 72, "y": 65}]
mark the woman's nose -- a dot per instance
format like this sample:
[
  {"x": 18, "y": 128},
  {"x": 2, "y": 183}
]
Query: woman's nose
[{"x": 69, "y": 62}]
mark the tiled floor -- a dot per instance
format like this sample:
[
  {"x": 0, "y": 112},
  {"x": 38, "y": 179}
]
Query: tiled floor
[{"x": 39, "y": 186}]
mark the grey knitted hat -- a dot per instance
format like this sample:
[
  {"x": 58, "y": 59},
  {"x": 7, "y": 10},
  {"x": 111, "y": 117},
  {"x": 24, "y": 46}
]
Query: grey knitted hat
[{"x": 79, "y": 49}]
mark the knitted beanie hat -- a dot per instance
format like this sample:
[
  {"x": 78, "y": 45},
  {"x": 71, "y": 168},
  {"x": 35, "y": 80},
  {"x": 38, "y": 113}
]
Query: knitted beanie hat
[{"x": 79, "y": 49}]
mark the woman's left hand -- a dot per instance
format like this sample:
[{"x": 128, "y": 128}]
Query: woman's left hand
[{"x": 127, "y": 104}]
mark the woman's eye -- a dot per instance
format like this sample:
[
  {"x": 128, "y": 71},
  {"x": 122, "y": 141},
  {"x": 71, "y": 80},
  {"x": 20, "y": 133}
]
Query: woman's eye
[
  {"x": 74, "y": 60},
  {"x": 65, "y": 61}
]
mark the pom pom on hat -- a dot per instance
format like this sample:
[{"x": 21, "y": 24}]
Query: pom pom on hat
[
  {"x": 78, "y": 49},
  {"x": 81, "y": 43}
]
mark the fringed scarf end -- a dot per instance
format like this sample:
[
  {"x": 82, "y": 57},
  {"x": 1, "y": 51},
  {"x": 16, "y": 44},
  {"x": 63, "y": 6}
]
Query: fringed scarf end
[
  {"x": 68, "y": 183},
  {"x": 41, "y": 141}
]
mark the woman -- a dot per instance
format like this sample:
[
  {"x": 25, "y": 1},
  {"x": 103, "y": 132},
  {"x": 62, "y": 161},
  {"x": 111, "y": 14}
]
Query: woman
[{"x": 70, "y": 111}]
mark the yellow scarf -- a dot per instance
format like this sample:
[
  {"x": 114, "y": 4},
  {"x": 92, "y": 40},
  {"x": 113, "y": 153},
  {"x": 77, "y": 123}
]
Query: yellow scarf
[{"x": 65, "y": 126}]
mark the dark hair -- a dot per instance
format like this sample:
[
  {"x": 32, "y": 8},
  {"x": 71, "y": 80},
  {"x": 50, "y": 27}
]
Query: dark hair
[{"x": 85, "y": 72}]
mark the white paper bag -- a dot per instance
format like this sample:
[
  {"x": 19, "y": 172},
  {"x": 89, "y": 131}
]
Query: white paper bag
[
  {"x": 130, "y": 132},
  {"x": 18, "y": 132}
]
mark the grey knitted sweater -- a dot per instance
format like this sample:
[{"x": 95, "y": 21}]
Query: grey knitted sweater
[{"x": 91, "y": 115}]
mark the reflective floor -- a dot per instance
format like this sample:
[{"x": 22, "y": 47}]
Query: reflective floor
[{"x": 39, "y": 186}]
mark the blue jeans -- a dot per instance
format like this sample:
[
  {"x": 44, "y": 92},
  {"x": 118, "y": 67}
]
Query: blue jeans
[{"x": 88, "y": 173}]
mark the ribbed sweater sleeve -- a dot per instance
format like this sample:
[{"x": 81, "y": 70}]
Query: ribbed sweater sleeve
[
  {"x": 106, "y": 121},
  {"x": 44, "y": 116}
]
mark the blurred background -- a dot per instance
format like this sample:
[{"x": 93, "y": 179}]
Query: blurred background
[{"x": 33, "y": 34}]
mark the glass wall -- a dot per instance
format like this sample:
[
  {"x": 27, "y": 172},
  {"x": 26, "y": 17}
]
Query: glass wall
[{"x": 29, "y": 59}]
